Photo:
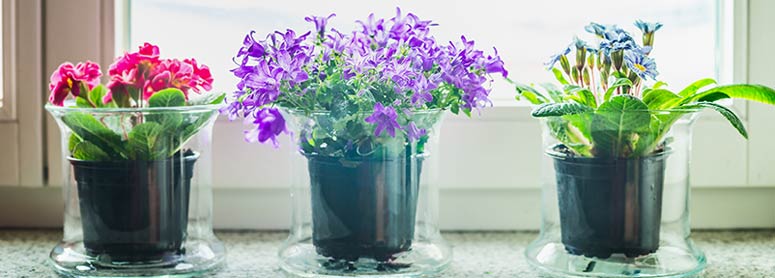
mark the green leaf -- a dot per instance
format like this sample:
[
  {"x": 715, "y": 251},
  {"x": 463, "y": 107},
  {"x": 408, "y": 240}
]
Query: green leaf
[
  {"x": 96, "y": 95},
  {"x": 659, "y": 99},
  {"x": 87, "y": 128},
  {"x": 694, "y": 87},
  {"x": 530, "y": 94},
  {"x": 658, "y": 85},
  {"x": 72, "y": 141},
  {"x": 617, "y": 124},
  {"x": 82, "y": 102},
  {"x": 621, "y": 82},
  {"x": 208, "y": 98},
  {"x": 584, "y": 96},
  {"x": 560, "y": 76},
  {"x": 560, "y": 109},
  {"x": 759, "y": 93},
  {"x": 724, "y": 111},
  {"x": 169, "y": 97},
  {"x": 88, "y": 151},
  {"x": 555, "y": 93},
  {"x": 146, "y": 142}
]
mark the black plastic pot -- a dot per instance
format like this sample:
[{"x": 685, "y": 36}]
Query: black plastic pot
[
  {"x": 134, "y": 210},
  {"x": 363, "y": 208},
  {"x": 610, "y": 205}
]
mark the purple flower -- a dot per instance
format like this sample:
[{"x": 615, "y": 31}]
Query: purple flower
[
  {"x": 494, "y": 64},
  {"x": 385, "y": 119},
  {"x": 320, "y": 22},
  {"x": 414, "y": 133},
  {"x": 250, "y": 49},
  {"x": 269, "y": 124},
  {"x": 353, "y": 68},
  {"x": 422, "y": 93},
  {"x": 372, "y": 26}
]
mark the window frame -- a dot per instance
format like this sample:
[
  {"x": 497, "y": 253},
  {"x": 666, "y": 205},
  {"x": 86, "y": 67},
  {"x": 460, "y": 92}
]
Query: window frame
[
  {"x": 8, "y": 106},
  {"x": 717, "y": 203}
]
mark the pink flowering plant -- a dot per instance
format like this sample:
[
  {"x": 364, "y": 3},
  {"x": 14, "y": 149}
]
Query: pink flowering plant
[
  {"x": 374, "y": 84},
  {"x": 143, "y": 85}
]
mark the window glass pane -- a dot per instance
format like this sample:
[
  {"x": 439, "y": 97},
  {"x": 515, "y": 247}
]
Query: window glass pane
[{"x": 525, "y": 32}]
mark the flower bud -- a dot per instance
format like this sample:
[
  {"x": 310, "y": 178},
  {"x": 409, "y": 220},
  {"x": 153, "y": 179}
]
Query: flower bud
[
  {"x": 648, "y": 39},
  {"x": 585, "y": 76},
  {"x": 591, "y": 61},
  {"x": 565, "y": 64},
  {"x": 617, "y": 58},
  {"x": 581, "y": 55},
  {"x": 575, "y": 75}
]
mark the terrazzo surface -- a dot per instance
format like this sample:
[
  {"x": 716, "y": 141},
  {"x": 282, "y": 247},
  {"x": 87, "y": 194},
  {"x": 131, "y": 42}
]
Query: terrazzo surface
[{"x": 23, "y": 253}]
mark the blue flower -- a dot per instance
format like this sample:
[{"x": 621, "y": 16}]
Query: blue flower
[
  {"x": 647, "y": 27},
  {"x": 594, "y": 28},
  {"x": 385, "y": 119},
  {"x": 641, "y": 65},
  {"x": 556, "y": 58},
  {"x": 615, "y": 39}
]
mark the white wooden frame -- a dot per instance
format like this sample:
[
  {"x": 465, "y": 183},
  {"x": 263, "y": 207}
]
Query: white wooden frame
[{"x": 733, "y": 192}]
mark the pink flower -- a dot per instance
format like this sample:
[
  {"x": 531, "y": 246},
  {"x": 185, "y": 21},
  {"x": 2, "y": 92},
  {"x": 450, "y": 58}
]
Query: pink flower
[
  {"x": 69, "y": 79},
  {"x": 185, "y": 75},
  {"x": 132, "y": 70}
]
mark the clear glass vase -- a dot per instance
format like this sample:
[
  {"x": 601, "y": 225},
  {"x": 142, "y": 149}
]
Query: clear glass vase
[
  {"x": 363, "y": 205},
  {"x": 137, "y": 192},
  {"x": 612, "y": 214}
]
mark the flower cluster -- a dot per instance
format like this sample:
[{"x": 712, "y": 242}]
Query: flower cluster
[
  {"x": 387, "y": 68},
  {"x": 605, "y": 109},
  {"x": 134, "y": 77},
  {"x": 617, "y": 56}
]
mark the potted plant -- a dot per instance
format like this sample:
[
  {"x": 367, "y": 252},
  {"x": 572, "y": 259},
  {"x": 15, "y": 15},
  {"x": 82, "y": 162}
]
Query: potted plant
[
  {"x": 364, "y": 107},
  {"x": 611, "y": 124},
  {"x": 128, "y": 149}
]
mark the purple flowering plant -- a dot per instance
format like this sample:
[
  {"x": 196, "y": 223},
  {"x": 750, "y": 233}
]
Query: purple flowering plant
[
  {"x": 373, "y": 83},
  {"x": 610, "y": 102}
]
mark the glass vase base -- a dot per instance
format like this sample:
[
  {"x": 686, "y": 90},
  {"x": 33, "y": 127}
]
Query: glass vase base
[
  {"x": 422, "y": 260},
  {"x": 669, "y": 261},
  {"x": 200, "y": 257}
]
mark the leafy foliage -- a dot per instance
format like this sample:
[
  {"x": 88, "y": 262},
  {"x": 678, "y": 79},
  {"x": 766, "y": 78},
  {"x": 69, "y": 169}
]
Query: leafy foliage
[
  {"x": 628, "y": 126},
  {"x": 150, "y": 135}
]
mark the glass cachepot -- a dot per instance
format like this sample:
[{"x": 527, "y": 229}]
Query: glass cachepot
[
  {"x": 614, "y": 216},
  {"x": 143, "y": 208},
  {"x": 363, "y": 207}
]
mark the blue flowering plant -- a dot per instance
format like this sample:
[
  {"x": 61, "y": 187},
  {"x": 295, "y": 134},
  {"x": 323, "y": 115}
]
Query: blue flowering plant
[
  {"x": 384, "y": 82},
  {"x": 610, "y": 103}
]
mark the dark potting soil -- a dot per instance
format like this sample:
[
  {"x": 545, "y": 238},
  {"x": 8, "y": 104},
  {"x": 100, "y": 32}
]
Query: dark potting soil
[
  {"x": 363, "y": 208},
  {"x": 134, "y": 210},
  {"x": 610, "y": 205}
]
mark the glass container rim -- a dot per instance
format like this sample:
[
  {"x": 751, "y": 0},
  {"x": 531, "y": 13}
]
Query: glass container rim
[
  {"x": 650, "y": 111},
  {"x": 300, "y": 112},
  {"x": 102, "y": 110}
]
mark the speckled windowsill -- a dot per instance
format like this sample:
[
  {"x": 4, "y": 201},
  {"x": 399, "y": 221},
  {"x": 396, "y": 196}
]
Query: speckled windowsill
[{"x": 23, "y": 253}]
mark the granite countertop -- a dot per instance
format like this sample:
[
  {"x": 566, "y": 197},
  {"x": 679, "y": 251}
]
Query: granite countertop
[{"x": 23, "y": 253}]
